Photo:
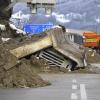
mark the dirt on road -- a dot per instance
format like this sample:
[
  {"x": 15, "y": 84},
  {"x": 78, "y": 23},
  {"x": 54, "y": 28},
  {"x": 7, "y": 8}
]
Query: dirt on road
[{"x": 24, "y": 74}]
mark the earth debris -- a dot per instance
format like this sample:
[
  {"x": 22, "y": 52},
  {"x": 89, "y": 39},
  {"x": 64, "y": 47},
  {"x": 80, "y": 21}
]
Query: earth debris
[{"x": 24, "y": 74}]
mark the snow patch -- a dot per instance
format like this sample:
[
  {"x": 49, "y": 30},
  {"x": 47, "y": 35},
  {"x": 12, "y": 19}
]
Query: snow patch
[
  {"x": 98, "y": 5},
  {"x": 60, "y": 18},
  {"x": 47, "y": 16},
  {"x": 19, "y": 31},
  {"x": 97, "y": 20},
  {"x": 75, "y": 15},
  {"x": 56, "y": 26},
  {"x": 19, "y": 19},
  {"x": 68, "y": 17},
  {"x": 20, "y": 15},
  {"x": 5, "y": 39},
  {"x": 2, "y": 27}
]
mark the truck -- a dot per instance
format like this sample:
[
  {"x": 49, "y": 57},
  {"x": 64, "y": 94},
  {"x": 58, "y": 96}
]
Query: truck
[
  {"x": 55, "y": 48},
  {"x": 91, "y": 40}
]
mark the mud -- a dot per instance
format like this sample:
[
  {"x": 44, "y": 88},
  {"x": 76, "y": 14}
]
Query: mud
[
  {"x": 93, "y": 57},
  {"x": 24, "y": 73}
]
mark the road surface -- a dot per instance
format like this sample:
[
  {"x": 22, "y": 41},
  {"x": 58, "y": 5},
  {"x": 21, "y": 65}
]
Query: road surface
[{"x": 64, "y": 87}]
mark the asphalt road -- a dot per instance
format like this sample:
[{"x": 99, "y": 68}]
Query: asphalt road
[{"x": 64, "y": 87}]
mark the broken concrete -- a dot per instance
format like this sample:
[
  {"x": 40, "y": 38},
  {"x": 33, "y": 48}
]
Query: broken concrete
[{"x": 24, "y": 74}]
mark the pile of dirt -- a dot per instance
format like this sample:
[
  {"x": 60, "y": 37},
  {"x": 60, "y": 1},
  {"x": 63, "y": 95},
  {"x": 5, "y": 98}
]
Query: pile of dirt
[
  {"x": 93, "y": 57},
  {"x": 24, "y": 73}
]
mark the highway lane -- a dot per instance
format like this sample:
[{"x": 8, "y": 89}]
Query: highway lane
[{"x": 64, "y": 87}]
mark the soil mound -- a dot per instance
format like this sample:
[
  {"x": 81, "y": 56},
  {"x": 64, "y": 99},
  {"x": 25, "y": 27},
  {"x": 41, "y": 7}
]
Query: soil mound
[{"x": 24, "y": 74}]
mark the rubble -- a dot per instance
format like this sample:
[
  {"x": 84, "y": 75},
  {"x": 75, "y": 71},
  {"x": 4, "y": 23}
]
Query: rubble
[
  {"x": 93, "y": 57},
  {"x": 24, "y": 74}
]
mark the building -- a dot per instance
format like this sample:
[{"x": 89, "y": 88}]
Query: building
[
  {"x": 35, "y": 4},
  {"x": 75, "y": 36}
]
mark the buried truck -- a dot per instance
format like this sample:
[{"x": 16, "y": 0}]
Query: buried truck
[{"x": 54, "y": 47}]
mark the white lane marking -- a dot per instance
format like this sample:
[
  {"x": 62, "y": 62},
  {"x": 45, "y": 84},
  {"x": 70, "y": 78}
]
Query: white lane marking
[
  {"x": 83, "y": 92},
  {"x": 74, "y": 87},
  {"x": 74, "y": 81},
  {"x": 73, "y": 96}
]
